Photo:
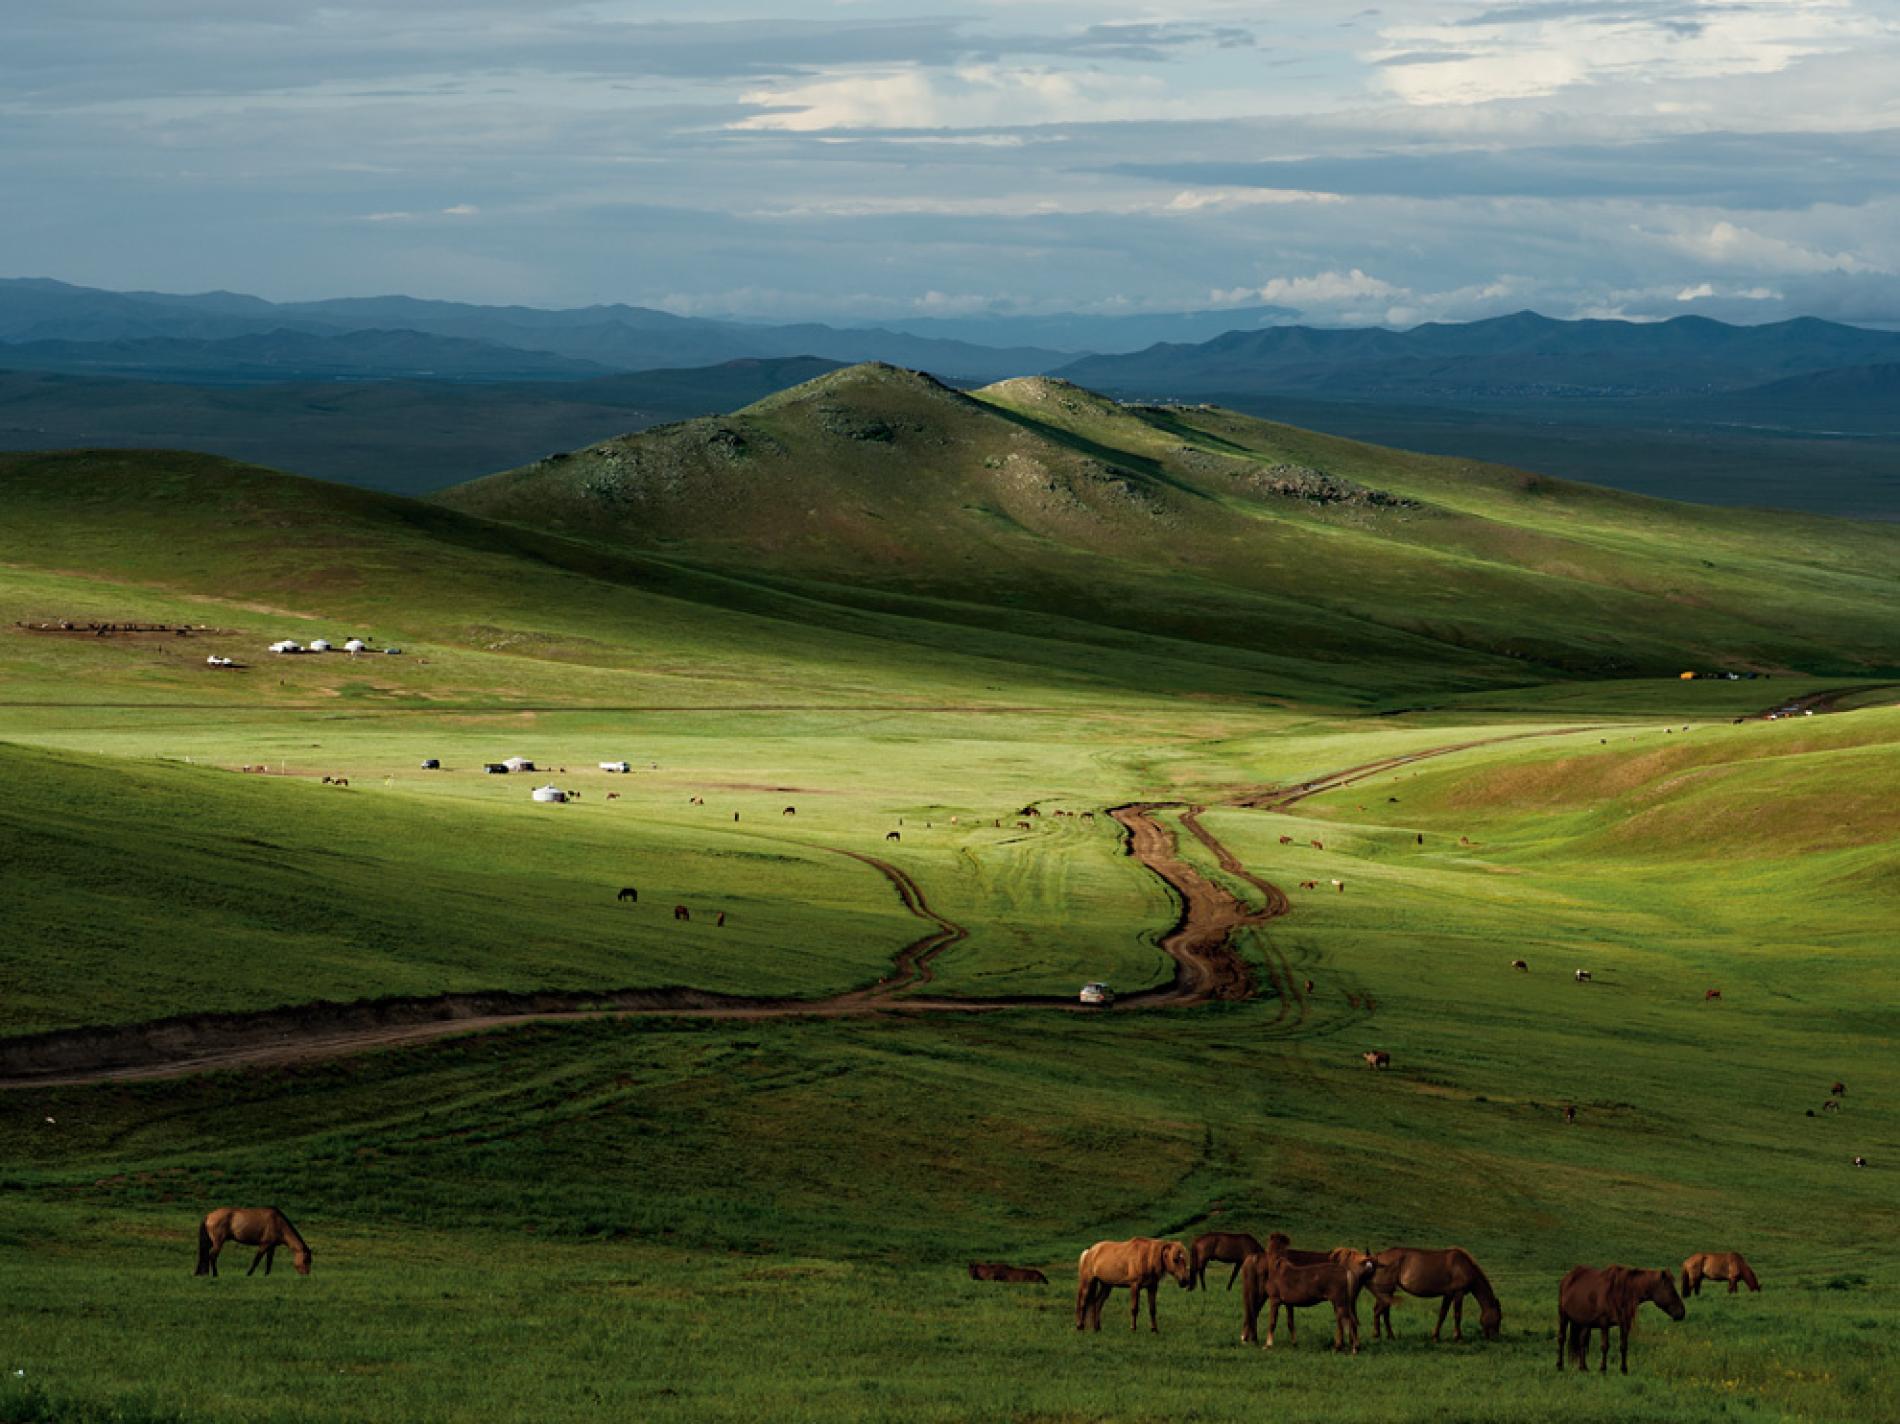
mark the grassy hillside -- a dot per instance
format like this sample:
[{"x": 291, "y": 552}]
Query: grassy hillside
[{"x": 1200, "y": 523}]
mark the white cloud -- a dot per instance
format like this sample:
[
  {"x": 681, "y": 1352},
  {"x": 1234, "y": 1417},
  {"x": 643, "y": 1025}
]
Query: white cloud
[
  {"x": 1732, "y": 245},
  {"x": 1201, "y": 200}
]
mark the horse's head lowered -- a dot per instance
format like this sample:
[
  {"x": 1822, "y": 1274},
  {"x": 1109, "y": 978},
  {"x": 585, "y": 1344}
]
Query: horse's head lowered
[
  {"x": 1174, "y": 1260},
  {"x": 1659, "y": 1288},
  {"x": 300, "y": 1258}
]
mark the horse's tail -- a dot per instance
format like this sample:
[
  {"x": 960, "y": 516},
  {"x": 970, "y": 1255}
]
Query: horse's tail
[
  {"x": 1685, "y": 1280},
  {"x": 204, "y": 1249}
]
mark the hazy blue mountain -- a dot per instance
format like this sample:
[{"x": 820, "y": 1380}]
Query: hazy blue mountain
[
  {"x": 1525, "y": 356},
  {"x": 1072, "y": 331},
  {"x": 282, "y": 355}
]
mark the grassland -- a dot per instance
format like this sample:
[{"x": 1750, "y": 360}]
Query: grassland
[{"x": 667, "y": 1217}]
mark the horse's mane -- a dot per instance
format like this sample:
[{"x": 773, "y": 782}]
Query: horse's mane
[
  {"x": 1481, "y": 1283},
  {"x": 292, "y": 1232}
]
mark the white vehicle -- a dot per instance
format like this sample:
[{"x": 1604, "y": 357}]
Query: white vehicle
[
  {"x": 1096, "y": 993},
  {"x": 622, "y": 767}
]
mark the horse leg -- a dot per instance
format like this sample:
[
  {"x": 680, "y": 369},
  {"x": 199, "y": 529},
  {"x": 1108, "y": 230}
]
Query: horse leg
[
  {"x": 1563, "y": 1337},
  {"x": 1733, "y": 1282},
  {"x": 1083, "y": 1290},
  {"x": 1458, "y": 1316},
  {"x": 1603, "y": 1368},
  {"x": 1134, "y": 1305},
  {"x": 255, "y": 1259},
  {"x": 270, "y": 1258},
  {"x": 1623, "y": 1332},
  {"x": 1382, "y": 1313},
  {"x": 1154, "y": 1289},
  {"x": 1444, "y": 1304},
  {"x": 1236, "y": 1272},
  {"x": 1273, "y": 1318},
  {"x": 1102, "y": 1292}
]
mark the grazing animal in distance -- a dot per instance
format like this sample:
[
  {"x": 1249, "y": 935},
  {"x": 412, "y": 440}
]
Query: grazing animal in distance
[
  {"x": 1464, "y": 840},
  {"x": 1139, "y": 1264},
  {"x": 1309, "y": 986},
  {"x": 1728, "y": 1266},
  {"x": 1309, "y": 885},
  {"x": 1860, "y": 1161},
  {"x": 789, "y": 811},
  {"x": 1839, "y": 1090},
  {"x": 1086, "y": 815},
  {"x": 1520, "y": 965},
  {"x": 1449, "y": 1274},
  {"x": 265, "y": 1227},
  {"x": 1376, "y": 1059},
  {"x": 1286, "y": 840},
  {"x": 719, "y": 920},
  {"x": 1014, "y": 1275},
  {"x": 1318, "y": 846},
  {"x": 1024, "y": 826},
  {"x": 892, "y": 836},
  {"x": 613, "y": 795},
  {"x": 627, "y": 892},
  {"x": 1831, "y": 1105},
  {"x": 1583, "y": 976},
  {"x": 1225, "y": 1246},
  {"x": 1420, "y": 838},
  {"x": 1591, "y": 1297},
  {"x": 326, "y": 781},
  {"x": 1708, "y": 994},
  {"x": 1340, "y": 886},
  {"x": 1570, "y": 1113},
  {"x": 680, "y": 912},
  {"x": 341, "y": 781}
]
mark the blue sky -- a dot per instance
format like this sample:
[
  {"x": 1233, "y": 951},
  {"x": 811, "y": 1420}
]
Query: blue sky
[{"x": 1393, "y": 163}]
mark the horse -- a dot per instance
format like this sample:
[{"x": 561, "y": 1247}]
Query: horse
[
  {"x": 1309, "y": 885},
  {"x": 1139, "y": 1264},
  {"x": 1024, "y": 826},
  {"x": 719, "y": 920},
  {"x": 1583, "y": 976},
  {"x": 1309, "y": 986},
  {"x": 1276, "y": 1278},
  {"x": 1286, "y": 840},
  {"x": 1419, "y": 839},
  {"x": 1086, "y": 815},
  {"x": 892, "y": 836},
  {"x": 1012, "y": 1275},
  {"x": 1233, "y": 1246},
  {"x": 1377, "y": 1060},
  {"x": 613, "y": 795},
  {"x": 1449, "y": 1274},
  {"x": 1839, "y": 1090},
  {"x": 1340, "y": 886},
  {"x": 680, "y": 912},
  {"x": 627, "y": 892},
  {"x": 1570, "y": 1113},
  {"x": 264, "y": 1227},
  {"x": 1708, "y": 994},
  {"x": 1727, "y": 1266},
  {"x": 789, "y": 811},
  {"x": 1318, "y": 846},
  {"x": 1591, "y": 1297},
  {"x": 1520, "y": 965},
  {"x": 341, "y": 781}
]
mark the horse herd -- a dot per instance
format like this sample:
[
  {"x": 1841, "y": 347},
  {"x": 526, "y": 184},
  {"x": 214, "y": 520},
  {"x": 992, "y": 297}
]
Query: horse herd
[{"x": 1279, "y": 1277}]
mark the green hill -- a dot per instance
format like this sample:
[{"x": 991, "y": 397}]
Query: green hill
[{"x": 1198, "y": 523}]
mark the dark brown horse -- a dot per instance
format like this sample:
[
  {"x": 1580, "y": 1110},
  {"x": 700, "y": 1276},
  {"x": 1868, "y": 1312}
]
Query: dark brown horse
[
  {"x": 1012, "y": 1275},
  {"x": 1592, "y": 1297},
  {"x": 1336, "y": 1281},
  {"x": 627, "y": 892},
  {"x": 1730, "y": 1266},
  {"x": 1449, "y": 1274},
  {"x": 264, "y": 1227},
  {"x": 680, "y": 912},
  {"x": 1234, "y": 1246},
  {"x": 1255, "y": 1282}
]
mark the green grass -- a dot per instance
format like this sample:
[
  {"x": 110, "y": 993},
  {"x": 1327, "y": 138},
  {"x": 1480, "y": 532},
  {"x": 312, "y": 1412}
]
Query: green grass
[{"x": 719, "y": 1220}]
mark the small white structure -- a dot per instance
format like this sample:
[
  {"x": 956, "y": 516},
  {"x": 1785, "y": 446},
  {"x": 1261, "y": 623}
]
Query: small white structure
[
  {"x": 286, "y": 645},
  {"x": 216, "y": 661},
  {"x": 519, "y": 764},
  {"x": 320, "y": 645},
  {"x": 1096, "y": 993},
  {"x": 623, "y": 767},
  {"x": 393, "y": 652},
  {"x": 549, "y": 793},
  {"x": 355, "y": 645}
]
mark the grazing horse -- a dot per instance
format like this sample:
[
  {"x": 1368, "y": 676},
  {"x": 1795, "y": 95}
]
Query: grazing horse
[
  {"x": 1520, "y": 964},
  {"x": 1450, "y": 1274},
  {"x": 1024, "y": 826},
  {"x": 613, "y": 795},
  {"x": 1234, "y": 1246},
  {"x": 1340, "y": 886},
  {"x": 1309, "y": 986},
  {"x": 628, "y": 893},
  {"x": 719, "y": 920},
  {"x": 680, "y": 912},
  {"x": 1570, "y": 1113},
  {"x": 341, "y": 781},
  {"x": 1013, "y": 1275},
  {"x": 1309, "y": 885},
  {"x": 1839, "y": 1090},
  {"x": 1420, "y": 838},
  {"x": 1831, "y": 1105},
  {"x": 1708, "y": 994},
  {"x": 892, "y": 836},
  {"x": 1591, "y": 1298},
  {"x": 1377, "y": 1060},
  {"x": 1286, "y": 840},
  {"x": 1276, "y": 1278},
  {"x": 789, "y": 811},
  {"x": 1727, "y": 1266},
  {"x": 1318, "y": 846},
  {"x": 1086, "y": 815},
  {"x": 264, "y": 1227},
  {"x": 1583, "y": 976},
  {"x": 1139, "y": 1264}
]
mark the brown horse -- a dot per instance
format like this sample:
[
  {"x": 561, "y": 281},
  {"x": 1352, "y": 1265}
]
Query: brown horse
[
  {"x": 1336, "y": 1281},
  {"x": 1234, "y": 1246},
  {"x": 892, "y": 836},
  {"x": 1377, "y": 1059},
  {"x": 1139, "y": 1264},
  {"x": 627, "y": 892},
  {"x": 1591, "y": 1298},
  {"x": 1727, "y": 1266},
  {"x": 1013, "y": 1275},
  {"x": 264, "y": 1227},
  {"x": 1449, "y": 1274},
  {"x": 680, "y": 912}
]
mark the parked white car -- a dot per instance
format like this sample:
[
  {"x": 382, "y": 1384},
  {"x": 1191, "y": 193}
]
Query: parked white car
[{"x": 1096, "y": 993}]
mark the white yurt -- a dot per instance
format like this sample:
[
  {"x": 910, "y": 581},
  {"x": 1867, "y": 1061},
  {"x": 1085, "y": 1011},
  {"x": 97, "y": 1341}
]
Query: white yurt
[
  {"x": 320, "y": 645},
  {"x": 518, "y": 764},
  {"x": 549, "y": 793},
  {"x": 355, "y": 645},
  {"x": 286, "y": 645},
  {"x": 620, "y": 766}
]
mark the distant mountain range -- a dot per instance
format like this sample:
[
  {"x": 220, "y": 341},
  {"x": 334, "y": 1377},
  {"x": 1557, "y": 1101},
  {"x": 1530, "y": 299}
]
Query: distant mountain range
[
  {"x": 1509, "y": 358},
  {"x": 43, "y": 323}
]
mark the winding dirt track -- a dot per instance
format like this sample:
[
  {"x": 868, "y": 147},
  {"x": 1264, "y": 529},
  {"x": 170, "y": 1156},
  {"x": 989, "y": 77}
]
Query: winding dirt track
[{"x": 1201, "y": 944}]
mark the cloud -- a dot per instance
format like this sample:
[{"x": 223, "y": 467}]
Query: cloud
[{"x": 1730, "y": 245}]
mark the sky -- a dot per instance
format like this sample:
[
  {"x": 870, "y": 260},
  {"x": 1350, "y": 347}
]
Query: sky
[{"x": 1404, "y": 161}]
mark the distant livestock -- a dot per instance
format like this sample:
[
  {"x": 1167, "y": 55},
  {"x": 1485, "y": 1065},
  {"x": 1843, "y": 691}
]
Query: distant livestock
[
  {"x": 1521, "y": 966},
  {"x": 892, "y": 836},
  {"x": 719, "y": 920},
  {"x": 627, "y": 892},
  {"x": 789, "y": 811},
  {"x": 1730, "y": 1266},
  {"x": 1318, "y": 846},
  {"x": 1286, "y": 840},
  {"x": 1583, "y": 976},
  {"x": 1839, "y": 1090},
  {"x": 680, "y": 912},
  {"x": 1376, "y": 1059},
  {"x": 266, "y": 1228},
  {"x": 1708, "y": 994}
]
